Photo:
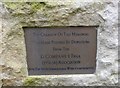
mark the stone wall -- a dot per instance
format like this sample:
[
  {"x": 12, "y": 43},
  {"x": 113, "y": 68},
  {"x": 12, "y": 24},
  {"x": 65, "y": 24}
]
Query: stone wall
[{"x": 15, "y": 15}]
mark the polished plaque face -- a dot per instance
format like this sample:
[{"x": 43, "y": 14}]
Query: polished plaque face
[{"x": 61, "y": 50}]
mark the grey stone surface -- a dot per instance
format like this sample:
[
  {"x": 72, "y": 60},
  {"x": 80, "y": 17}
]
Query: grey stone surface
[{"x": 14, "y": 16}]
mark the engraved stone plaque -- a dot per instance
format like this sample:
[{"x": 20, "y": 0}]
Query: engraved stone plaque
[{"x": 61, "y": 50}]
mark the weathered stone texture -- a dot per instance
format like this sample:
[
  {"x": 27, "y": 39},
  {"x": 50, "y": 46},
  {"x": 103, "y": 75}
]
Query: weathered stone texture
[{"x": 14, "y": 16}]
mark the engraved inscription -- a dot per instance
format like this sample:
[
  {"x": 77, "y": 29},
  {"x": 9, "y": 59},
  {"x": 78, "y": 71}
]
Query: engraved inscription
[{"x": 61, "y": 50}]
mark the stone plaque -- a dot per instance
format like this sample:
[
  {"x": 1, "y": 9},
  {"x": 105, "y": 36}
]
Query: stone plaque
[{"x": 61, "y": 50}]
